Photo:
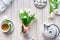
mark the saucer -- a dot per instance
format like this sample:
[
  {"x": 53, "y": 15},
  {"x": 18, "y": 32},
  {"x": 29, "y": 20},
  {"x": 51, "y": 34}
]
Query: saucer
[{"x": 11, "y": 26}]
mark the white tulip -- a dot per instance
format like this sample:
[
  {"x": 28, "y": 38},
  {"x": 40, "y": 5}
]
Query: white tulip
[
  {"x": 21, "y": 11},
  {"x": 51, "y": 16}
]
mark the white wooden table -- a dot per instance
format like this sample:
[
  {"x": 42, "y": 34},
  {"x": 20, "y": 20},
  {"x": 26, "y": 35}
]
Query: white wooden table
[{"x": 36, "y": 26}]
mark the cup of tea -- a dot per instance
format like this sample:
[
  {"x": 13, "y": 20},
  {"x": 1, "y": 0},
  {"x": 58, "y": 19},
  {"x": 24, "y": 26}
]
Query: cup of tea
[{"x": 5, "y": 27}]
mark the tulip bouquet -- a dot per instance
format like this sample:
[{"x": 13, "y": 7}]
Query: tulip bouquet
[{"x": 26, "y": 19}]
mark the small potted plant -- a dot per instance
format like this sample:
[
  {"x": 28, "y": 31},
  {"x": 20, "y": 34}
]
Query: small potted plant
[{"x": 26, "y": 19}]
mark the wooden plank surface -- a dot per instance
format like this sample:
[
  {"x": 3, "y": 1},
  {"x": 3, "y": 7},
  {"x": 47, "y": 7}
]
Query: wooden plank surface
[{"x": 36, "y": 26}]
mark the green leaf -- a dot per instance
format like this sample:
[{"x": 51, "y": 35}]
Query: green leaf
[
  {"x": 7, "y": 21},
  {"x": 51, "y": 9}
]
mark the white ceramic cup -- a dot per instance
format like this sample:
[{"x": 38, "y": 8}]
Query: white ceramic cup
[{"x": 5, "y": 30}]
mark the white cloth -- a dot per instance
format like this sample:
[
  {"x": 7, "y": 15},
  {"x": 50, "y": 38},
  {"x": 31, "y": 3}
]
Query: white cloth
[{"x": 4, "y": 4}]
